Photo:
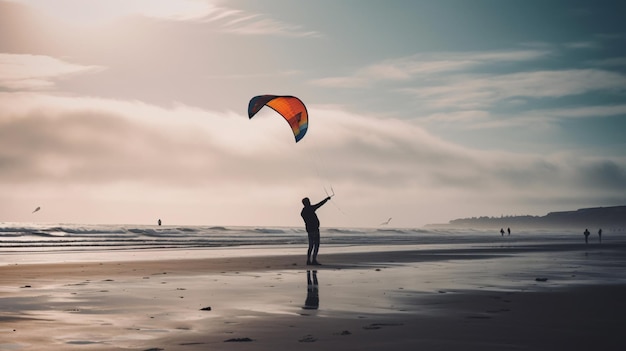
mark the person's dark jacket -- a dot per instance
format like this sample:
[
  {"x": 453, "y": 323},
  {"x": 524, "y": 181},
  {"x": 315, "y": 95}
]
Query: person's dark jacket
[{"x": 311, "y": 222}]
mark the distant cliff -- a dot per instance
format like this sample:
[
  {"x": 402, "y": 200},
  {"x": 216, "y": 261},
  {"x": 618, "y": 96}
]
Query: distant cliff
[{"x": 597, "y": 217}]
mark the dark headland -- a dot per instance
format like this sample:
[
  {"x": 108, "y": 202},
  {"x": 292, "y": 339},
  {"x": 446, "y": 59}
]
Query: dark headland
[{"x": 596, "y": 217}]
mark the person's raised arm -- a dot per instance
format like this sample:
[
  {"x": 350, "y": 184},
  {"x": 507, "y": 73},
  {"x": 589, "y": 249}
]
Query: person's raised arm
[{"x": 319, "y": 204}]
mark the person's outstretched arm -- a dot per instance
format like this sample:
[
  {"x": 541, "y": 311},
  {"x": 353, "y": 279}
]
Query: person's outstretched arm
[{"x": 319, "y": 204}]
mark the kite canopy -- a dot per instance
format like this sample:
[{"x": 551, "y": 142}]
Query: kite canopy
[{"x": 290, "y": 107}]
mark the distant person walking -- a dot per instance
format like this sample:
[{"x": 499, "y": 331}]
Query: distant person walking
[
  {"x": 501, "y": 231},
  {"x": 508, "y": 230},
  {"x": 586, "y": 236},
  {"x": 312, "y": 225},
  {"x": 159, "y": 222},
  {"x": 600, "y": 234}
]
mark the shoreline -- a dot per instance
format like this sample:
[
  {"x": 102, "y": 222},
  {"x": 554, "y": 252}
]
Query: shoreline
[{"x": 283, "y": 257}]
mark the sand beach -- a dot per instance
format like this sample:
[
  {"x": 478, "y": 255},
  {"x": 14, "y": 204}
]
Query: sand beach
[{"x": 551, "y": 297}]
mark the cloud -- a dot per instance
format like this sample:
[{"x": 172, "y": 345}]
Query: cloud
[
  {"x": 468, "y": 116},
  {"x": 63, "y": 139},
  {"x": 482, "y": 91},
  {"x": 582, "y": 45},
  {"x": 89, "y": 147},
  {"x": 605, "y": 173},
  {"x": 584, "y": 112},
  {"x": 261, "y": 75},
  {"x": 93, "y": 12},
  {"x": 257, "y": 25},
  {"x": 27, "y": 72},
  {"x": 244, "y": 23},
  {"x": 480, "y": 119},
  {"x": 424, "y": 65},
  {"x": 178, "y": 10},
  {"x": 341, "y": 82},
  {"x": 87, "y": 12},
  {"x": 48, "y": 138},
  {"x": 610, "y": 62},
  {"x": 471, "y": 88}
]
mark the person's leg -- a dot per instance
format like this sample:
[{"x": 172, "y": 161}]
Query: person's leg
[
  {"x": 308, "y": 253},
  {"x": 316, "y": 247},
  {"x": 310, "y": 250}
]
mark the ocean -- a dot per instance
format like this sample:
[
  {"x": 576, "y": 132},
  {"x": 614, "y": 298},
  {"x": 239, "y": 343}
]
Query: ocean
[{"x": 32, "y": 237}]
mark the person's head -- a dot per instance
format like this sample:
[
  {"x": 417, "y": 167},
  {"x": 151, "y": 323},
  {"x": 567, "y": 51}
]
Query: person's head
[{"x": 306, "y": 201}]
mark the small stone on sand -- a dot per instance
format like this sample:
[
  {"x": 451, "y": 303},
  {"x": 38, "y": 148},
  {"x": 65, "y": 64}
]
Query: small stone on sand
[{"x": 238, "y": 340}]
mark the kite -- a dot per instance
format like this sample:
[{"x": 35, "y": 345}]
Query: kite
[
  {"x": 37, "y": 209},
  {"x": 290, "y": 107}
]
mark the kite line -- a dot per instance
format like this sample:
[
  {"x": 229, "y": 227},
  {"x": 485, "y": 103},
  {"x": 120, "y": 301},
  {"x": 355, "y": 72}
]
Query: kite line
[{"x": 293, "y": 110}]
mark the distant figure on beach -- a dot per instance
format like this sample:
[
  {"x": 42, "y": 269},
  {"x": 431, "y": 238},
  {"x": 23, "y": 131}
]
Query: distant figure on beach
[
  {"x": 312, "y": 301},
  {"x": 586, "y": 236},
  {"x": 502, "y": 231},
  {"x": 600, "y": 234},
  {"x": 508, "y": 230},
  {"x": 159, "y": 221},
  {"x": 312, "y": 225}
]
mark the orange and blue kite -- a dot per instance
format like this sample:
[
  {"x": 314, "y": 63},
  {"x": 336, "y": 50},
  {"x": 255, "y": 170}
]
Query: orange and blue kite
[{"x": 290, "y": 107}]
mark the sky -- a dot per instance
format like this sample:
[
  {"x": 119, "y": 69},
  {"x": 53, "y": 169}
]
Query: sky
[{"x": 127, "y": 111}]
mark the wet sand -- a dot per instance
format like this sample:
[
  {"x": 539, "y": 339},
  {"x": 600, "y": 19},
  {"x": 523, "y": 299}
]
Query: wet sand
[{"x": 372, "y": 298}]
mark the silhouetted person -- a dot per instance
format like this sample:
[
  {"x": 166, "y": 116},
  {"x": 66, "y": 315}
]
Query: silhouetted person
[
  {"x": 312, "y": 301},
  {"x": 508, "y": 230},
  {"x": 502, "y": 231},
  {"x": 586, "y": 236},
  {"x": 600, "y": 234},
  {"x": 312, "y": 225},
  {"x": 159, "y": 221}
]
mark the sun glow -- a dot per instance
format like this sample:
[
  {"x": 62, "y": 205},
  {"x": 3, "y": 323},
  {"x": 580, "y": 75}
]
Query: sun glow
[{"x": 95, "y": 12}]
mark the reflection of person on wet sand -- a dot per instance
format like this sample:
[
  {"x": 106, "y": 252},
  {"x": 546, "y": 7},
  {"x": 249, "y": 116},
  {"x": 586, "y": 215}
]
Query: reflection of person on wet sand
[{"x": 312, "y": 292}]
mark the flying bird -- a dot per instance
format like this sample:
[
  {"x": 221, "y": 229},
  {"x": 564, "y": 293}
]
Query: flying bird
[
  {"x": 37, "y": 209},
  {"x": 386, "y": 222}
]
